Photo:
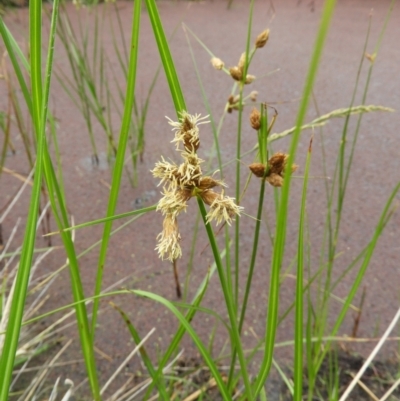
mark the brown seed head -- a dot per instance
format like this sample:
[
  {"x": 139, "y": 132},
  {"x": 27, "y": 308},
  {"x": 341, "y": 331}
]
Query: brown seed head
[
  {"x": 183, "y": 195},
  {"x": 209, "y": 196},
  {"x": 190, "y": 171},
  {"x": 275, "y": 180},
  {"x": 187, "y": 124},
  {"x": 370, "y": 57},
  {"x": 242, "y": 62},
  {"x": 168, "y": 240},
  {"x": 236, "y": 73},
  {"x": 258, "y": 169},
  {"x": 217, "y": 63},
  {"x": 208, "y": 183},
  {"x": 255, "y": 119},
  {"x": 277, "y": 163},
  {"x": 253, "y": 96},
  {"x": 223, "y": 208},
  {"x": 190, "y": 143},
  {"x": 249, "y": 79},
  {"x": 233, "y": 103},
  {"x": 262, "y": 39}
]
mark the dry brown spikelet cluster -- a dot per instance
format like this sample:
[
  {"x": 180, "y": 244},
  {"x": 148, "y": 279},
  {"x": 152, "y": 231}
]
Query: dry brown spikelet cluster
[
  {"x": 274, "y": 174},
  {"x": 255, "y": 119},
  {"x": 238, "y": 70},
  {"x": 182, "y": 182},
  {"x": 262, "y": 39}
]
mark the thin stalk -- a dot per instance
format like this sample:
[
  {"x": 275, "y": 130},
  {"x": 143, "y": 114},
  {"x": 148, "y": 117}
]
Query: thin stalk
[
  {"x": 56, "y": 196},
  {"x": 385, "y": 216},
  {"x": 228, "y": 301},
  {"x": 173, "y": 346},
  {"x": 298, "y": 336},
  {"x": 280, "y": 237},
  {"x": 119, "y": 162},
  {"x": 147, "y": 361},
  {"x": 239, "y": 155},
  {"x": 39, "y": 115},
  {"x": 343, "y": 181},
  {"x": 12, "y": 45},
  {"x": 106, "y": 219},
  {"x": 343, "y": 172},
  {"x": 262, "y": 140},
  {"x": 166, "y": 58},
  {"x": 199, "y": 345},
  {"x": 206, "y": 104},
  {"x": 20, "y": 121},
  {"x": 249, "y": 276},
  {"x": 21, "y": 285}
]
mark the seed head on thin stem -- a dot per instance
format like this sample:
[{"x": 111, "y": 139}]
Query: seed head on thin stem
[
  {"x": 253, "y": 96},
  {"x": 233, "y": 103},
  {"x": 370, "y": 57},
  {"x": 168, "y": 245},
  {"x": 217, "y": 63},
  {"x": 236, "y": 73},
  {"x": 223, "y": 208},
  {"x": 275, "y": 169},
  {"x": 187, "y": 130},
  {"x": 262, "y": 39},
  {"x": 242, "y": 62},
  {"x": 182, "y": 182},
  {"x": 258, "y": 169},
  {"x": 255, "y": 119},
  {"x": 249, "y": 79}
]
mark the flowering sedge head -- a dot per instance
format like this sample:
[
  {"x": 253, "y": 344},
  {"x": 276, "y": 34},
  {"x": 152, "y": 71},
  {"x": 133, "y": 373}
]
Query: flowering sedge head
[
  {"x": 187, "y": 131},
  {"x": 168, "y": 240},
  {"x": 222, "y": 208},
  {"x": 182, "y": 182}
]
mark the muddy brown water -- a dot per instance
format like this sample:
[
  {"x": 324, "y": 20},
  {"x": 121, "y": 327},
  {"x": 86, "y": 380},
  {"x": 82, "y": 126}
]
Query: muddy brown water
[{"x": 131, "y": 252}]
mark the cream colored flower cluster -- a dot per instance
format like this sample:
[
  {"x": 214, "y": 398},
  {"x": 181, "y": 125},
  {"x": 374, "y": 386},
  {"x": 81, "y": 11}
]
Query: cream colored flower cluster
[{"x": 182, "y": 182}]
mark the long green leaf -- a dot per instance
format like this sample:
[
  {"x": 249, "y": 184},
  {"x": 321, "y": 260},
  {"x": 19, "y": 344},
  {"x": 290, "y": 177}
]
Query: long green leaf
[
  {"x": 197, "y": 299},
  {"x": 107, "y": 219},
  {"x": 119, "y": 162},
  {"x": 280, "y": 236},
  {"x": 298, "y": 337},
  {"x": 58, "y": 205},
  {"x": 149, "y": 366},
  {"x": 22, "y": 280},
  {"x": 386, "y": 214},
  {"x": 199, "y": 344},
  {"x": 166, "y": 58},
  {"x": 228, "y": 296}
]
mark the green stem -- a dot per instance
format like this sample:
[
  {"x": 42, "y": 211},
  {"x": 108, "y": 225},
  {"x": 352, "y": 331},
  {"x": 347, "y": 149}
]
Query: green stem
[
  {"x": 238, "y": 155},
  {"x": 119, "y": 162},
  {"x": 280, "y": 237},
  {"x": 253, "y": 254},
  {"x": 228, "y": 300}
]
